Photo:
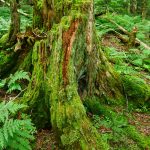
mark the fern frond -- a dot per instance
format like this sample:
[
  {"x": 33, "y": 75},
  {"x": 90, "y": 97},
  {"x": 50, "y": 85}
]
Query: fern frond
[
  {"x": 15, "y": 133},
  {"x": 2, "y": 140},
  {"x": 13, "y": 86},
  {"x": 18, "y": 76},
  {"x": 2, "y": 83}
]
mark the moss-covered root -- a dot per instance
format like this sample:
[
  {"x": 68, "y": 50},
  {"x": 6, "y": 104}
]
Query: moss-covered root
[
  {"x": 136, "y": 90},
  {"x": 68, "y": 116},
  {"x": 35, "y": 96},
  {"x": 141, "y": 141}
]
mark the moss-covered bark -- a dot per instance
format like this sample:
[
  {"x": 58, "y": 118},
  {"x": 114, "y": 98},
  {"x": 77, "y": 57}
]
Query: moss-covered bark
[
  {"x": 68, "y": 67},
  {"x": 10, "y": 38}
]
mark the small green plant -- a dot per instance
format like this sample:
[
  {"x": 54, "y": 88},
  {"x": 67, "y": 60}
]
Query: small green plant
[
  {"x": 16, "y": 130},
  {"x": 13, "y": 81},
  {"x": 116, "y": 130}
]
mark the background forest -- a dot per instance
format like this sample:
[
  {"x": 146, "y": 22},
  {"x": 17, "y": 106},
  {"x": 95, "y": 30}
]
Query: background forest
[{"x": 121, "y": 120}]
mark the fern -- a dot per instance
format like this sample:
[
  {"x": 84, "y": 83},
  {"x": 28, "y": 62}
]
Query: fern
[
  {"x": 12, "y": 81},
  {"x": 15, "y": 133},
  {"x": 2, "y": 83},
  {"x": 18, "y": 76},
  {"x": 13, "y": 86}
]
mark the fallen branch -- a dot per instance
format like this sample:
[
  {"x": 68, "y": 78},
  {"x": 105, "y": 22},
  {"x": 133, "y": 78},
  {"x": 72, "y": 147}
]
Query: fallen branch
[
  {"x": 143, "y": 44},
  {"x": 20, "y": 12},
  {"x": 128, "y": 33}
]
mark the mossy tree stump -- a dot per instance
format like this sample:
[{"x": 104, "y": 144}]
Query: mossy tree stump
[{"x": 68, "y": 67}]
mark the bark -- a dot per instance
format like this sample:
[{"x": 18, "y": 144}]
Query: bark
[
  {"x": 132, "y": 38},
  {"x": 144, "y": 8},
  {"x": 15, "y": 22},
  {"x": 69, "y": 66},
  {"x": 133, "y": 6}
]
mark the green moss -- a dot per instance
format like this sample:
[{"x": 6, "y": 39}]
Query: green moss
[
  {"x": 94, "y": 106},
  {"x": 68, "y": 115},
  {"x": 6, "y": 62},
  {"x": 39, "y": 4},
  {"x": 65, "y": 22},
  {"x": 136, "y": 89},
  {"x": 35, "y": 97},
  {"x": 4, "y": 39},
  {"x": 141, "y": 141},
  {"x": 27, "y": 62},
  {"x": 37, "y": 21}
]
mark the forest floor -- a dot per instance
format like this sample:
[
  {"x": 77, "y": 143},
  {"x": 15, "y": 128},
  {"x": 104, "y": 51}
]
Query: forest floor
[
  {"x": 46, "y": 140},
  {"x": 139, "y": 119}
]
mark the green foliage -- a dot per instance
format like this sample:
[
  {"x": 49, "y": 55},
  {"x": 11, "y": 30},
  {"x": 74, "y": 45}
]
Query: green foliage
[
  {"x": 127, "y": 22},
  {"x": 4, "y": 39},
  {"x": 2, "y": 83},
  {"x": 16, "y": 132},
  {"x": 130, "y": 62},
  {"x": 116, "y": 131},
  {"x": 13, "y": 81},
  {"x": 105, "y": 6},
  {"x": 5, "y": 18}
]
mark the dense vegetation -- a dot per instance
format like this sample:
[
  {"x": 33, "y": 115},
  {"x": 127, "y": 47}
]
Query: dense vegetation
[{"x": 71, "y": 78}]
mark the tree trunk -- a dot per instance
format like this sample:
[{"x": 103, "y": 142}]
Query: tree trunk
[
  {"x": 144, "y": 8},
  {"x": 68, "y": 67},
  {"x": 133, "y": 6},
  {"x": 15, "y": 22},
  {"x": 10, "y": 38}
]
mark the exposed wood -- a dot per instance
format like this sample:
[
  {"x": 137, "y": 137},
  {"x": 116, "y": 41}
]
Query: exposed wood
[
  {"x": 132, "y": 38},
  {"x": 124, "y": 39},
  {"x": 121, "y": 37}
]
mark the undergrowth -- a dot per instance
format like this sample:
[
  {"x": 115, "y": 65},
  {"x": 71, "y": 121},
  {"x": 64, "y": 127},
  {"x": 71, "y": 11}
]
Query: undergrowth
[
  {"x": 12, "y": 82},
  {"x": 115, "y": 127},
  {"x": 5, "y": 18},
  {"x": 132, "y": 64},
  {"x": 16, "y": 129}
]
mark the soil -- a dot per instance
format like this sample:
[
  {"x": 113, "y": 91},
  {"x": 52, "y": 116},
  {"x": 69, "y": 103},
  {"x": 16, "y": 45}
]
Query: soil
[{"x": 46, "y": 140}]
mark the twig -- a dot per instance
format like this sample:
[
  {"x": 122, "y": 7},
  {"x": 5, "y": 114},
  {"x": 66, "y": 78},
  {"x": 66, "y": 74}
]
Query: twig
[{"x": 18, "y": 94}]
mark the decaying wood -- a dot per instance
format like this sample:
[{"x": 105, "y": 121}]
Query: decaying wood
[{"x": 128, "y": 33}]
